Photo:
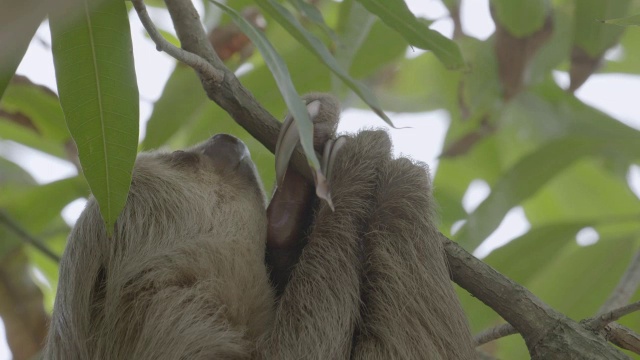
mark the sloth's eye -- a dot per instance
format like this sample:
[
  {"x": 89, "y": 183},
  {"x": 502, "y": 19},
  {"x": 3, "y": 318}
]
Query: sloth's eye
[{"x": 184, "y": 158}]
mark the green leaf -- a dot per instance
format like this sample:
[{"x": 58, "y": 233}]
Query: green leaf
[
  {"x": 481, "y": 88},
  {"x": 177, "y": 107},
  {"x": 286, "y": 19},
  {"x": 521, "y": 181},
  {"x": 591, "y": 272},
  {"x": 55, "y": 243},
  {"x": 455, "y": 174},
  {"x": 368, "y": 59},
  {"x": 397, "y": 15},
  {"x": 633, "y": 20},
  {"x": 281, "y": 74},
  {"x": 40, "y": 105},
  {"x": 12, "y": 174},
  {"x": 97, "y": 85},
  {"x": 28, "y": 137},
  {"x": 13, "y": 51},
  {"x": 20, "y": 201},
  {"x": 313, "y": 14},
  {"x": 524, "y": 257},
  {"x": 631, "y": 53},
  {"x": 354, "y": 27},
  {"x": 520, "y": 18},
  {"x": 405, "y": 94},
  {"x": 570, "y": 197},
  {"x": 591, "y": 35}
]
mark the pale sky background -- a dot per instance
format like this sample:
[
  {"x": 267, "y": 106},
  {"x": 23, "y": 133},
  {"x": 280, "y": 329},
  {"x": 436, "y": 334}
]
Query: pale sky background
[{"x": 612, "y": 94}]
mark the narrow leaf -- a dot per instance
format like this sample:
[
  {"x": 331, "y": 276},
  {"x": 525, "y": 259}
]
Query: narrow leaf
[
  {"x": 633, "y": 20},
  {"x": 354, "y": 28},
  {"x": 397, "y": 15},
  {"x": 15, "y": 44},
  {"x": 313, "y": 14},
  {"x": 281, "y": 74},
  {"x": 541, "y": 245},
  {"x": 97, "y": 86},
  {"x": 591, "y": 35},
  {"x": 293, "y": 26}
]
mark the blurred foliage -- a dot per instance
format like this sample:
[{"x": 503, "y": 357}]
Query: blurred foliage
[{"x": 512, "y": 126}]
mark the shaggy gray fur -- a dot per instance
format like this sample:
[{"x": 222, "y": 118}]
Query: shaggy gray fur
[{"x": 183, "y": 276}]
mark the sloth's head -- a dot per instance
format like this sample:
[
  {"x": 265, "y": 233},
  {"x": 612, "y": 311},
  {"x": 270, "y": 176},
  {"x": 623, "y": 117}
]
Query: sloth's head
[
  {"x": 194, "y": 223},
  {"x": 211, "y": 191},
  {"x": 200, "y": 189}
]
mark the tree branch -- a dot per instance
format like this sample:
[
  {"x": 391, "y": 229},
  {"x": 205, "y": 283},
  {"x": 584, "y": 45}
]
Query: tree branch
[
  {"x": 547, "y": 333},
  {"x": 194, "y": 61},
  {"x": 494, "y": 333},
  {"x": 616, "y": 333},
  {"x": 602, "y": 320}
]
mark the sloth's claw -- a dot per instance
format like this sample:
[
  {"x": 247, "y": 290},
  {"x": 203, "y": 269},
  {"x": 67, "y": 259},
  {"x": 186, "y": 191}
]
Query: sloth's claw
[
  {"x": 289, "y": 138},
  {"x": 329, "y": 154},
  {"x": 323, "y": 110}
]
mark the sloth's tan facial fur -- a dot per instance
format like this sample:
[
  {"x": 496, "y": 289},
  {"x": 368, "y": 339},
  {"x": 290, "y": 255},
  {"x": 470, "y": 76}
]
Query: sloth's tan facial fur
[{"x": 184, "y": 275}]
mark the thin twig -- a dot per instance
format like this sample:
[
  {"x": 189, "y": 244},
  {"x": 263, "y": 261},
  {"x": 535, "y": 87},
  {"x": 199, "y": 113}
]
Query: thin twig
[
  {"x": 26, "y": 237},
  {"x": 494, "y": 333},
  {"x": 194, "y": 61},
  {"x": 600, "y": 321},
  {"x": 627, "y": 286}
]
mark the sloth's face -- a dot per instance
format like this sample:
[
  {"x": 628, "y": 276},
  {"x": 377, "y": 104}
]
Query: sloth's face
[
  {"x": 194, "y": 220},
  {"x": 210, "y": 188}
]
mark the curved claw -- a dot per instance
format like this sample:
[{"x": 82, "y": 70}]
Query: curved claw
[
  {"x": 324, "y": 112},
  {"x": 288, "y": 139},
  {"x": 331, "y": 149}
]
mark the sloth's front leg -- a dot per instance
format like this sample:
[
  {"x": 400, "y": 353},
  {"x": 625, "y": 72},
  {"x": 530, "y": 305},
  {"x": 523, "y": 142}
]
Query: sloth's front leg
[
  {"x": 409, "y": 307},
  {"x": 318, "y": 312}
]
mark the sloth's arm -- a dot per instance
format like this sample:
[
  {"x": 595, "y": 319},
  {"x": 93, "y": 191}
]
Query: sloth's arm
[
  {"x": 370, "y": 281},
  {"x": 318, "y": 311}
]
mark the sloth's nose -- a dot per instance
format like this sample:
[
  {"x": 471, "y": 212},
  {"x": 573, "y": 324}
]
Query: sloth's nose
[{"x": 226, "y": 151}]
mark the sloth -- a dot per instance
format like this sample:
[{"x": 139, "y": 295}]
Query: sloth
[{"x": 196, "y": 269}]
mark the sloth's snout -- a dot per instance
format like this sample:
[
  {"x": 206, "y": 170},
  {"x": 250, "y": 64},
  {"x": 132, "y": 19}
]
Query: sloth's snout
[{"x": 226, "y": 151}]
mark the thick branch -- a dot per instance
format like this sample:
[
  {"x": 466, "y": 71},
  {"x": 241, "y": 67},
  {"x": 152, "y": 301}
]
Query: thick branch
[{"x": 548, "y": 333}]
